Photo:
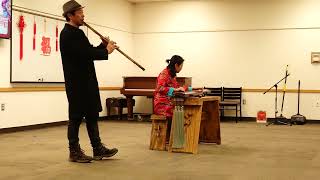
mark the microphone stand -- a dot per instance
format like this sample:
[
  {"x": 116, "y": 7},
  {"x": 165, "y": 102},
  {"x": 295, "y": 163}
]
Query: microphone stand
[{"x": 276, "y": 121}]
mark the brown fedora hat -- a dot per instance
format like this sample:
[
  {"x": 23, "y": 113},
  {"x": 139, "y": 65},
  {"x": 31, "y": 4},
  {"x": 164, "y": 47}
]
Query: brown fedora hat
[{"x": 71, "y": 6}]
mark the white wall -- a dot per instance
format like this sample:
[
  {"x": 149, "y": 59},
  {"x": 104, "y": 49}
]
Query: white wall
[
  {"x": 235, "y": 43},
  {"x": 253, "y": 39},
  {"x": 27, "y": 108}
]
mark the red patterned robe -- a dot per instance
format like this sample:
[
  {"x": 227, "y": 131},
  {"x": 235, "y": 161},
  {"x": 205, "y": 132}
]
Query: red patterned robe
[{"x": 163, "y": 104}]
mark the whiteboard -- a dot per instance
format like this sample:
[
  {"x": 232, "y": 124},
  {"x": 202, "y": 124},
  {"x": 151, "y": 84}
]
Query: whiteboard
[{"x": 36, "y": 65}]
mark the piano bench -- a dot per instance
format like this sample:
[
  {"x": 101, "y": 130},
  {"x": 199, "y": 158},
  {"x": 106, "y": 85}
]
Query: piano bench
[
  {"x": 158, "y": 132},
  {"x": 119, "y": 102}
]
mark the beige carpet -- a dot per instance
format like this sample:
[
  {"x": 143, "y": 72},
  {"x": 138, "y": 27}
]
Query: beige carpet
[{"x": 249, "y": 151}]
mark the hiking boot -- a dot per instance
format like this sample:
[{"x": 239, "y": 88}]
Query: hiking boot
[
  {"x": 101, "y": 151},
  {"x": 77, "y": 155}
]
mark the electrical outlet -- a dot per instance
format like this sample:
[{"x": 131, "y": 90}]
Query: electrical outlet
[
  {"x": 3, "y": 107},
  {"x": 244, "y": 101}
]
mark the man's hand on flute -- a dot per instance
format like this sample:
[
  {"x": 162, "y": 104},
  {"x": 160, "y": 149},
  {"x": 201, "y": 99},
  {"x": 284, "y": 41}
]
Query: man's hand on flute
[{"x": 111, "y": 46}]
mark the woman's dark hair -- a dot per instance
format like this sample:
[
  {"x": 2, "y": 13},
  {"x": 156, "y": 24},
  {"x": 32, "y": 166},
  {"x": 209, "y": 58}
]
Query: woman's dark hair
[{"x": 172, "y": 62}]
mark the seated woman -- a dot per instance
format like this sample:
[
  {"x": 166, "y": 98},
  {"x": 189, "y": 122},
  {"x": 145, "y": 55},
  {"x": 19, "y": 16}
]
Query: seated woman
[{"x": 166, "y": 85}]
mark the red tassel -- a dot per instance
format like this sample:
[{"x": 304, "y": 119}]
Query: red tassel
[
  {"x": 34, "y": 43},
  {"x": 34, "y": 35},
  {"x": 57, "y": 35},
  {"x": 21, "y": 25},
  {"x": 21, "y": 46},
  {"x": 57, "y": 45}
]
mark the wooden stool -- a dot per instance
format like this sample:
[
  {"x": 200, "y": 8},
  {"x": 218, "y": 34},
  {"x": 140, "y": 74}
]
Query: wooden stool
[
  {"x": 119, "y": 102},
  {"x": 158, "y": 132}
]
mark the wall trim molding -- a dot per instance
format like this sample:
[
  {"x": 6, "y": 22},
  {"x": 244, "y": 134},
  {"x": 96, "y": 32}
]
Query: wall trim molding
[
  {"x": 114, "y": 88},
  {"x": 32, "y": 127},
  {"x": 52, "y": 124}
]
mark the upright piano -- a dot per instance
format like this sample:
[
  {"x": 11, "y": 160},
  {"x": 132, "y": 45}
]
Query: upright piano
[{"x": 143, "y": 86}]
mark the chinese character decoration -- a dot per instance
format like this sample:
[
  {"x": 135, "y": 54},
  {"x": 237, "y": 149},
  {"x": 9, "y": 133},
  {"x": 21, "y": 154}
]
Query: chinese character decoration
[
  {"x": 34, "y": 33},
  {"x": 45, "y": 44},
  {"x": 21, "y": 25}
]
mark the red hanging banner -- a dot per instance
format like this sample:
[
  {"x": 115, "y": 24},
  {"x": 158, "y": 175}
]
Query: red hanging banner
[
  {"x": 34, "y": 34},
  {"x": 21, "y": 25}
]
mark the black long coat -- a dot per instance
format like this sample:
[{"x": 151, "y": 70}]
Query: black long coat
[{"x": 79, "y": 72}]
